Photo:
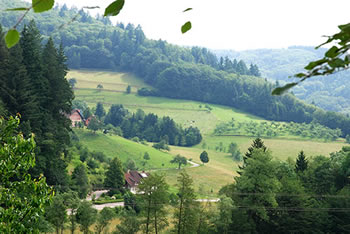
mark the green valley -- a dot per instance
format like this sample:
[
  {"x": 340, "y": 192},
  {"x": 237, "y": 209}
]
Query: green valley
[{"x": 221, "y": 168}]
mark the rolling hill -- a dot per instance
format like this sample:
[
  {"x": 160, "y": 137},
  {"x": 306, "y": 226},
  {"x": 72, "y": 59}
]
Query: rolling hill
[{"x": 221, "y": 168}]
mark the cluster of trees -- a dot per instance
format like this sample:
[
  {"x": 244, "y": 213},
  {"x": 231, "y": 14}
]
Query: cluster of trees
[
  {"x": 309, "y": 195},
  {"x": 148, "y": 127},
  {"x": 277, "y": 129},
  {"x": 328, "y": 92},
  {"x": 33, "y": 84},
  {"x": 81, "y": 215}
]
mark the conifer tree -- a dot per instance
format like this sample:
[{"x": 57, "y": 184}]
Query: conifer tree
[
  {"x": 257, "y": 144},
  {"x": 185, "y": 217},
  {"x": 154, "y": 199},
  {"x": 301, "y": 162},
  {"x": 114, "y": 180},
  {"x": 100, "y": 111},
  {"x": 80, "y": 181}
]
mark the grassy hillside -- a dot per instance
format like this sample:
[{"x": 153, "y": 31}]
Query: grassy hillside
[
  {"x": 221, "y": 168},
  {"x": 117, "y": 146}
]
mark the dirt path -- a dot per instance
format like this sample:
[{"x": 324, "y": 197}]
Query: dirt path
[
  {"x": 110, "y": 205},
  {"x": 97, "y": 194}
]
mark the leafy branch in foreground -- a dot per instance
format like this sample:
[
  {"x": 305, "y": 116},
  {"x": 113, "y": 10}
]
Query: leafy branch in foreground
[
  {"x": 335, "y": 59},
  {"x": 22, "y": 198}
]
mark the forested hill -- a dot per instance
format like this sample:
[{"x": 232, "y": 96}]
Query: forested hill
[
  {"x": 329, "y": 92},
  {"x": 177, "y": 72}
]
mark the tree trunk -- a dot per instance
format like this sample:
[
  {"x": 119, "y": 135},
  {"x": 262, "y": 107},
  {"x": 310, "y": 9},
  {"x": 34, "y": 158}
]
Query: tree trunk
[
  {"x": 155, "y": 222},
  {"x": 148, "y": 215}
]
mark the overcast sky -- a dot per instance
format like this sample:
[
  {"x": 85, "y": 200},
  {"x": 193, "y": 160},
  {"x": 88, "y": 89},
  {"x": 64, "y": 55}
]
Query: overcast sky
[{"x": 233, "y": 24}]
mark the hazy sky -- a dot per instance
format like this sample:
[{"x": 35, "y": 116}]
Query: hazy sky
[{"x": 233, "y": 24}]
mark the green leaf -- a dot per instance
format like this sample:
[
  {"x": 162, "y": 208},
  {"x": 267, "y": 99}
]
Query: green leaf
[
  {"x": 283, "y": 89},
  {"x": 11, "y": 38},
  {"x": 300, "y": 75},
  {"x": 188, "y": 9},
  {"x": 187, "y": 26},
  {"x": 332, "y": 52},
  {"x": 17, "y": 9},
  {"x": 313, "y": 64},
  {"x": 336, "y": 63},
  {"x": 114, "y": 8},
  {"x": 42, "y": 5},
  {"x": 344, "y": 27}
]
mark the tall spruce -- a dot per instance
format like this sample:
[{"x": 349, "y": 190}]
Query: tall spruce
[
  {"x": 114, "y": 180},
  {"x": 301, "y": 162},
  {"x": 55, "y": 126},
  {"x": 257, "y": 144},
  {"x": 32, "y": 60}
]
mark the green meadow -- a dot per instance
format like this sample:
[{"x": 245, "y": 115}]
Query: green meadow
[
  {"x": 112, "y": 146},
  {"x": 208, "y": 178}
]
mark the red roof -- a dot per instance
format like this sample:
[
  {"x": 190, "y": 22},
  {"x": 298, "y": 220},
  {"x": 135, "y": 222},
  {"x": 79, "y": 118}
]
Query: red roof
[{"x": 133, "y": 178}]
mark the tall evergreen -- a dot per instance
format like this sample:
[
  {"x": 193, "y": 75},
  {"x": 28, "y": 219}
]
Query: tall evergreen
[
  {"x": 31, "y": 45},
  {"x": 16, "y": 90},
  {"x": 301, "y": 163},
  {"x": 100, "y": 111},
  {"x": 114, "y": 180},
  {"x": 186, "y": 211},
  {"x": 257, "y": 144}
]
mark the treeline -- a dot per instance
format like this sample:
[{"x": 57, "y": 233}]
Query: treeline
[
  {"x": 147, "y": 127},
  {"x": 277, "y": 129},
  {"x": 95, "y": 43},
  {"x": 33, "y": 85}
]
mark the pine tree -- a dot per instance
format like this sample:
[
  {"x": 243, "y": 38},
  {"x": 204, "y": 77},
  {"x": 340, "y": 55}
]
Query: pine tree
[
  {"x": 114, "y": 180},
  {"x": 80, "y": 181},
  {"x": 301, "y": 162},
  {"x": 185, "y": 217},
  {"x": 32, "y": 59},
  {"x": 57, "y": 105},
  {"x": 100, "y": 111},
  {"x": 257, "y": 144},
  {"x": 155, "y": 196}
]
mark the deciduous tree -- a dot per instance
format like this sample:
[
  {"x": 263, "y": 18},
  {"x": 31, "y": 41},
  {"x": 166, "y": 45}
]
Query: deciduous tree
[
  {"x": 180, "y": 160},
  {"x": 86, "y": 216},
  {"x": 204, "y": 157},
  {"x": 22, "y": 198}
]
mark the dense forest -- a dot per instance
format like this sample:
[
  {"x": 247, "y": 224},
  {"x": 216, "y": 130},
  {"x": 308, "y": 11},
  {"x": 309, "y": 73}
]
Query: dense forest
[
  {"x": 327, "y": 92},
  {"x": 33, "y": 85}
]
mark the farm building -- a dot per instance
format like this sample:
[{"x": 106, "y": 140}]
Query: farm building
[
  {"x": 76, "y": 117},
  {"x": 133, "y": 178}
]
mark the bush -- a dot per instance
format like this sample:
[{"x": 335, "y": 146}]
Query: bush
[{"x": 136, "y": 139}]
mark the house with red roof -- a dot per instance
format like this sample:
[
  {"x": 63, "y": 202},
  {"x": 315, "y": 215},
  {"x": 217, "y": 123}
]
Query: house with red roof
[
  {"x": 76, "y": 117},
  {"x": 133, "y": 179}
]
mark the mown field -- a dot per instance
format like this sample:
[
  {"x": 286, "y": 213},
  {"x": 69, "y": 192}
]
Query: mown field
[{"x": 221, "y": 168}]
